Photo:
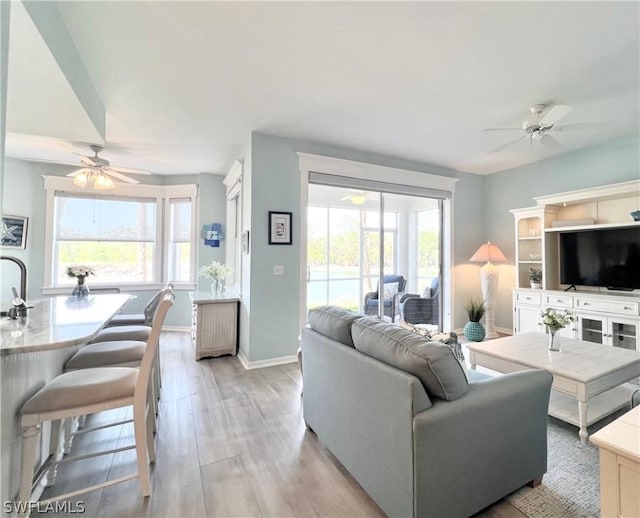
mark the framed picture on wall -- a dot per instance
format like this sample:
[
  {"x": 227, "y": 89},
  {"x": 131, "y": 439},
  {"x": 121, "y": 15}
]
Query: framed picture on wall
[
  {"x": 279, "y": 228},
  {"x": 14, "y": 231}
]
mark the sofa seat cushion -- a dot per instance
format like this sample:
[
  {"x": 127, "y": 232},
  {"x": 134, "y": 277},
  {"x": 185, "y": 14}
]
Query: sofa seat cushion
[
  {"x": 333, "y": 322},
  {"x": 434, "y": 363}
]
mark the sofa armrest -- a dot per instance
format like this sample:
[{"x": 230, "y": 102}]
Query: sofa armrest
[{"x": 495, "y": 436}]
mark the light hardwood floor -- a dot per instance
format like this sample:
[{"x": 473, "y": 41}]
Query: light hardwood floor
[{"x": 230, "y": 442}]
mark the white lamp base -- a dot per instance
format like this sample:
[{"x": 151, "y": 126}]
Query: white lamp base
[{"x": 489, "y": 281}]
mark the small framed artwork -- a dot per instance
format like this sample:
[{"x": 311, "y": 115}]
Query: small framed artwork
[
  {"x": 245, "y": 242},
  {"x": 14, "y": 231},
  {"x": 279, "y": 228}
]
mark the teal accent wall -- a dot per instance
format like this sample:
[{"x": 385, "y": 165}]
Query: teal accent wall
[
  {"x": 614, "y": 162},
  {"x": 275, "y": 185}
]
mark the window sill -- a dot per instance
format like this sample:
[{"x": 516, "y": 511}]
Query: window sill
[{"x": 124, "y": 288}]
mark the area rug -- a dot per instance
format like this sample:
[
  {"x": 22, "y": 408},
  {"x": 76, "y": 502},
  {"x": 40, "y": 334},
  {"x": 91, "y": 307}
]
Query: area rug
[{"x": 571, "y": 486}]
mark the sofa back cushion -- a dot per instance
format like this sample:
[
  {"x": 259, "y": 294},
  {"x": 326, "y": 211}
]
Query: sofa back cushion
[
  {"x": 334, "y": 322},
  {"x": 433, "y": 363}
]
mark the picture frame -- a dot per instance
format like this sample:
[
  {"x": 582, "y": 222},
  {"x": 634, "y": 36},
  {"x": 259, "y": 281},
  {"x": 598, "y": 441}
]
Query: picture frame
[
  {"x": 280, "y": 228},
  {"x": 13, "y": 231}
]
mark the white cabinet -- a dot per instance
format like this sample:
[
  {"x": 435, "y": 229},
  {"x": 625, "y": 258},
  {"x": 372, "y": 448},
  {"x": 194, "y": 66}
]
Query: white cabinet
[
  {"x": 617, "y": 331},
  {"x": 602, "y": 319},
  {"x": 214, "y": 324},
  {"x": 531, "y": 246}
]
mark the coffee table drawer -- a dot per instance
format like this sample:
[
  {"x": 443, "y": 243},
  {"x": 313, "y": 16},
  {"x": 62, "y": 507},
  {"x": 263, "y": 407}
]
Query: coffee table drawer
[
  {"x": 621, "y": 308},
  {"x": 559, "y": 301}
]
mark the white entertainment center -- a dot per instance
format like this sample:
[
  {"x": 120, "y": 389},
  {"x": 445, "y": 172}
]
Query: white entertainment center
[{"x": 602, "y": 316}]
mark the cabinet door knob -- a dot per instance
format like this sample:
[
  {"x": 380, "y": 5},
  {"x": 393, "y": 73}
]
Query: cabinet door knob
[
  {"x": 586, "y": 304},
  {"x": 559, "y": 300},
  {"x": 627, "y": 308}
]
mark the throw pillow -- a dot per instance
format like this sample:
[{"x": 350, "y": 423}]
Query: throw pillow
[
  {"x": 390, "y": 289},
  {"x": 450, "y": 339},
  {"x": 433, "y": 363}
]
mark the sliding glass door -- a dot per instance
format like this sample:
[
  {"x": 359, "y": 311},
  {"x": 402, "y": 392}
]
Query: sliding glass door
[{"x": 358, "y": 240}]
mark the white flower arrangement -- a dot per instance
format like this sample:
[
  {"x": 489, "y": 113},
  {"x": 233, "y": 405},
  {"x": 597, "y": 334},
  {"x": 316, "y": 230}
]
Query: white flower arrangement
[
  {"x": 215, "y": 271},
  {"x": 556, "y": 320},
  {"x": 80, "y": 270}
]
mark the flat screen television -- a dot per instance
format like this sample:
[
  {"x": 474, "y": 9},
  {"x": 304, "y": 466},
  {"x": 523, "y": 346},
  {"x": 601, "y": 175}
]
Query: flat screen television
[{"x": 607, "y": 258}]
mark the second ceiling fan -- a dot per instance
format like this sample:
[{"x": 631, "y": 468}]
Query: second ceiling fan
[{"x": 538, "y": 126}]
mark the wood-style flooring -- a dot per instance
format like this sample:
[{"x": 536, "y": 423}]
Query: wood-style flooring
[{"x": 230, "y": 442}]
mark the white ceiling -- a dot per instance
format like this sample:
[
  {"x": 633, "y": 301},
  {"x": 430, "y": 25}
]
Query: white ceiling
[{"x": 185, "y": 83}]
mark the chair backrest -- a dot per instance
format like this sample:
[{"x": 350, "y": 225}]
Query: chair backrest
[
  {"x": 392, "y": 279},
  {"x": 432, "y": 290},
  {"x": 151, "y": 348},
  {"x": 152, "y": 305}
]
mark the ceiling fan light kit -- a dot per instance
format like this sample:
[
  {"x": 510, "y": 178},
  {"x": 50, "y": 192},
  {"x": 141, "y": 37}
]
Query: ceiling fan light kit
[
  {"x": 99, "y": 180},
  {"x": 99, "y": 173}
]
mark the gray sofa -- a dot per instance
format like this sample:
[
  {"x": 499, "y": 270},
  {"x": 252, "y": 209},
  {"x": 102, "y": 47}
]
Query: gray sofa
[{"x": 449, "y": 450}]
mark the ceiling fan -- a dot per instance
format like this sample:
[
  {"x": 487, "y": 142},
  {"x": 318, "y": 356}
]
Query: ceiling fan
[
  {"x": 357, "y": 197},
  {"x": 538, "y": 126},
  {"x": 100, "y": 172}
]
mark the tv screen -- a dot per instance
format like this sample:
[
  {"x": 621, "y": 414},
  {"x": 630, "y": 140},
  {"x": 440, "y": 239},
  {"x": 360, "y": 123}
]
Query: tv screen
[{"x": 605, "y": 257}]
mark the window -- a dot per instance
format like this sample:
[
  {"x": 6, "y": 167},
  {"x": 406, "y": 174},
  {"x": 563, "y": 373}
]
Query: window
[
  {"x": 179, "y": 254},
  {"x": 134, "y": 235}
]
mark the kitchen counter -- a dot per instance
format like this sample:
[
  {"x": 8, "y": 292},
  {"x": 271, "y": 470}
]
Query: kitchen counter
[{"x": 59, "y": 322}]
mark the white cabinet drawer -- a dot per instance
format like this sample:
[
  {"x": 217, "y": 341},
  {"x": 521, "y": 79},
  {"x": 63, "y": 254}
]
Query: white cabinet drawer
[
  {"x": 559, "y": 301},
  {"x": 607, "y": 306},
  {"x": 528, "y": 297}
]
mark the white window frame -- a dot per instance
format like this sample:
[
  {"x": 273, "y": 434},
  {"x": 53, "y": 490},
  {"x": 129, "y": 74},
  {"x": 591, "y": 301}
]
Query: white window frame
[{"x": 161, "y": 193}]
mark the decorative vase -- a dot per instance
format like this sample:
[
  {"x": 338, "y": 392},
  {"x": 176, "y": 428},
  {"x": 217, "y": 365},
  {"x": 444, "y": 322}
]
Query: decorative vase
[
  {"x": 217, "y": 286},
  {"x": 474, "y": 331},
  {"x": 536, "y": 285},
  {"x": 554, "y": 342},
  {"x": 81, "y": 289}
]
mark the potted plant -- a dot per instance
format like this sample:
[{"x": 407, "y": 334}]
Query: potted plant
[
  {"x": 474, "y": 330},
  {"x": 535, "y": 278}
]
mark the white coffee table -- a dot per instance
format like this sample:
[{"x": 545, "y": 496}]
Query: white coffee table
[{"x": 583, "y": 371}]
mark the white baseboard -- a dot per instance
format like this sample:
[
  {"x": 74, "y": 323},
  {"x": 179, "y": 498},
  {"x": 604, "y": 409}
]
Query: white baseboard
[{"x": 259, "y": 364}]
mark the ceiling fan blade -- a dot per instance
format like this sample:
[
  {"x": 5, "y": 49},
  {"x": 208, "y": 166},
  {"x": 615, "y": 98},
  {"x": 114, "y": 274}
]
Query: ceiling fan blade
[
  {"x": 554, "y": 115},
  {"x": 500, "y": 148},
  {"x": 31, "y": 159},
  {"x": 579, "y": 126},
  {"x": 115, "y": 174},
  {"x": 502, "y": 129},
  {"x": 550, "y": 143},
  {"x": 87, "y": 160},
  {"x": 128, "y": 170}
]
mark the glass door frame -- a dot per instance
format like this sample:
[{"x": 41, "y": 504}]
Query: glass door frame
[{"x": 442, "y": 186}]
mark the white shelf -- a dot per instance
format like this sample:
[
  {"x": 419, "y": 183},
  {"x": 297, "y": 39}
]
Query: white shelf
[
  {"x": 566, "y": 408},
  {"x": 530, "y": 262},
  {"x": 530, "y": 238},
  {"x": 626, "y": 224}
]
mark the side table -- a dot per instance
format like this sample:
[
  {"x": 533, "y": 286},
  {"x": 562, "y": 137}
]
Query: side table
[
  {"x": 214, "y": 323},
  {"x": 619, "y": 444}
]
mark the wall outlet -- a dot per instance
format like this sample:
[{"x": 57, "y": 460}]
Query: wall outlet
[{"x": 278, "y": 269}]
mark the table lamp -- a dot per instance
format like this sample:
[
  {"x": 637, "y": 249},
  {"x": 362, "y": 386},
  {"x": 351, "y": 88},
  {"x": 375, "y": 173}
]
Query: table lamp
[{"x": 489, "y": 253}]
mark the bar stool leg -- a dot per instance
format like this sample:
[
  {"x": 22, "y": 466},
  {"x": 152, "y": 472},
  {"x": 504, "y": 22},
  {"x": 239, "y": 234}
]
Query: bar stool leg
[
  {"x": 142, "y": 451},
  {"x": 55, "y": 449},
  {"x": 30, "y": 436}
]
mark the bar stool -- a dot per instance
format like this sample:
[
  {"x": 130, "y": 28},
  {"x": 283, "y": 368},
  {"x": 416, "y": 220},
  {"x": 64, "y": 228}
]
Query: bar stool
[
  {"x": 88, "y": 391},
  {"x": 139, "y": 319},
  {"x": 118, "y": 353}
]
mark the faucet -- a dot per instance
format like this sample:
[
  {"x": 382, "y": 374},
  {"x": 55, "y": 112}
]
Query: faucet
[{"x": 23, "y": 279}]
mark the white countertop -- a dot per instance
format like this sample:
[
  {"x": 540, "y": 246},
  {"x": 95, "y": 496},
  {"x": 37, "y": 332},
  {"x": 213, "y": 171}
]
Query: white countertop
[
  {"x": 58, "y": 322},
  {"x": 207, "y": 297}
]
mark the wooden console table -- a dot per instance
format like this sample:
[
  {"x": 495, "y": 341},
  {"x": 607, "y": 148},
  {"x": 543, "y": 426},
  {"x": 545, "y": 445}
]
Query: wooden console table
[
  {"x": 619, "y": 444},
  {"x": 214, "y": 323}
]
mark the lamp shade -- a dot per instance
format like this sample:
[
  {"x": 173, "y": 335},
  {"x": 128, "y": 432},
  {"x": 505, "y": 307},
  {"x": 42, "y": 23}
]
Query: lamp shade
[{"x": 488, "y": 253}]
